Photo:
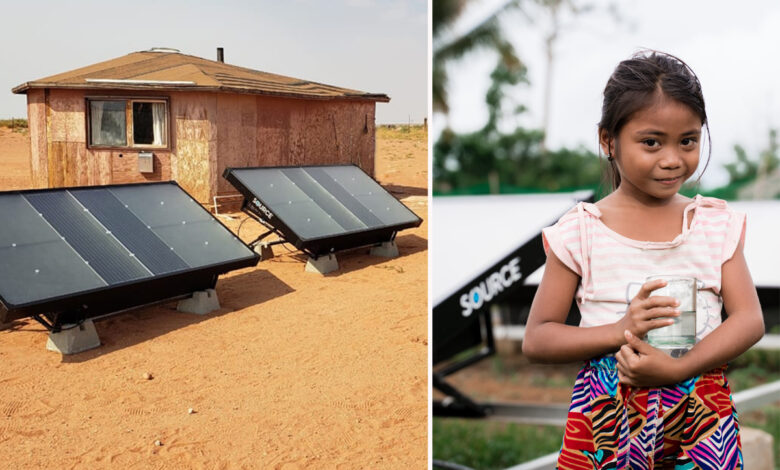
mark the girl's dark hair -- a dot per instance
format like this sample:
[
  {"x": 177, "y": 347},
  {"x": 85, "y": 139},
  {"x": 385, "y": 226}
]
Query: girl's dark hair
[{"x": 634, "y": 85}]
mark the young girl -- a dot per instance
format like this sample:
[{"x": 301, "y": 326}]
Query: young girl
[{"x": 634, "y": 406}]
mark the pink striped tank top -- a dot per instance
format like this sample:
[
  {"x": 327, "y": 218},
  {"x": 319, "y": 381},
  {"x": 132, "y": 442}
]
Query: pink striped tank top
[{"x": 612, "y": 267}]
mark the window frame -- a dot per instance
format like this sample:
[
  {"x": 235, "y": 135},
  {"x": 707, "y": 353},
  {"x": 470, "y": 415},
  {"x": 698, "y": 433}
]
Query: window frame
[{"x": 129, "y": 100}]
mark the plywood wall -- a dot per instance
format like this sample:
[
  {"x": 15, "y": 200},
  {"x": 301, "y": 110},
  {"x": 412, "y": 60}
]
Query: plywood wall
[
  {"x": 60, "y": 156},
  {"x": 340, "y": 132},
  {"x": 209, "y": 132},
  {"x": 195, "y": 143},
  {"x": 236, "y": 135},
  {"x": 36, "y": 117},
  {"x": 276, "y": 136},
  {"x": 124, "y": 166},
  {"x": 66, "y": 134},
  {"x": 266, "y": 131}
]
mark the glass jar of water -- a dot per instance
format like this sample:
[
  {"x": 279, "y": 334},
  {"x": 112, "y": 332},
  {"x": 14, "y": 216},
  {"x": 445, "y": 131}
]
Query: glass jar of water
[{"x": 679, "y": 337}]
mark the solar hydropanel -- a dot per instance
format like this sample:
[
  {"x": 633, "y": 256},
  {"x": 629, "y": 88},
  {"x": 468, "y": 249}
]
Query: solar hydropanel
[
  {"x": 322, "y": 209},
  {"x": 101, "y": 251},
  {"x": 81, "y": 252},
  {"x": 135, "y": 235}
]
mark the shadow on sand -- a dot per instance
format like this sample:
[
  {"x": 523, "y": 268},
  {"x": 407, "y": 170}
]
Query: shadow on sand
[
  {"x": 132, "y": 327},
  {"x": 243, "y": 290},
  {"x": 359, "y": 258}
]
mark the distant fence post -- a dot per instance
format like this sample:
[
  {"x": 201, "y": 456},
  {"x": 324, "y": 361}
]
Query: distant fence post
[{"x": 425, "y": 124}]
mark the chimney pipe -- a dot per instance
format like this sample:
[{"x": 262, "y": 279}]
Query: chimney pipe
[{"x": 220, "y": 55}]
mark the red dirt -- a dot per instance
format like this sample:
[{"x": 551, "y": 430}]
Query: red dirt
[
  {"x": 296, "y": 370},
  {"x": 14, "y": 160}
]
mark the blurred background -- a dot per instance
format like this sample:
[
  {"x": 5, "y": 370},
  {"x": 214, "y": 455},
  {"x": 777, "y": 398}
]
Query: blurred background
[
  {"x": 515, "y": 80},
  {"x": 517, "y": 90}
]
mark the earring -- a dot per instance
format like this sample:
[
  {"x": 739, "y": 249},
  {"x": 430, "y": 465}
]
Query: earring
[{"x": 610, "y": 158}]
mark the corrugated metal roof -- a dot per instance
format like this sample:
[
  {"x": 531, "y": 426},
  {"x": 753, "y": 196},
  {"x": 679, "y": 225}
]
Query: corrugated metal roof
[{"x": 152, "y": 69}]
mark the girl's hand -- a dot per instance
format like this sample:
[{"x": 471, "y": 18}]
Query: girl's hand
[
  {"x": 646, "y": 313},
  {"x": 641, "y": 365}
]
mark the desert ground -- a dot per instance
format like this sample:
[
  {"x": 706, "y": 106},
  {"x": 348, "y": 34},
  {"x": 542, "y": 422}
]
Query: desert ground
[{"x": 295, "y": 370}]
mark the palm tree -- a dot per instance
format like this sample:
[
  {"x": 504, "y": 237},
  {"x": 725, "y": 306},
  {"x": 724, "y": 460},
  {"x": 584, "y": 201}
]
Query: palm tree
[{"x": 448, "y": 46}]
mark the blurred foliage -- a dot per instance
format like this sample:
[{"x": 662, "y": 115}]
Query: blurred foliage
[
  {"x": 743, "y": 173},
  {"x": 446, "y": 49},
  {"x": 494, "y": 161},
  {"x": 491, "y": 160},
  {"x": 765, "y": 359},
  {"x": 492, "y": 445},
  {"x": 444, "y": 13},
  {"x": 509, "y": 163},
  {"x": 745, "y": 170}
]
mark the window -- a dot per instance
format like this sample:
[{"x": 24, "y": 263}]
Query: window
[{"x": 128, "y": 123}]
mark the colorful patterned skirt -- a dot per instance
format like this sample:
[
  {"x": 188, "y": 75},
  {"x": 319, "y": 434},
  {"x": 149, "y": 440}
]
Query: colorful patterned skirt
[{"x": 689, "y": 425}]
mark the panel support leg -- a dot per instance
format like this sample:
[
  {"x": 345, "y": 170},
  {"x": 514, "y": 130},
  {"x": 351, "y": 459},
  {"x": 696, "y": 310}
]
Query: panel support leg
[
  {"x": 265, "y": 250},
  {"x": 385, "y": 250},
  {"x": 323, "y": 264},
  {"x": 74, "y": 339},
  {"x": 201, "y": 302}
]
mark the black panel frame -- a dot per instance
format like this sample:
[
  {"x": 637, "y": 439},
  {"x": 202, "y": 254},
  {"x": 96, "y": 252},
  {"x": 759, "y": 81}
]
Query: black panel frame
[
  {"x": 452, "y": 333},
  {"x": 315, "y": 246},
  {"x": 77, "y": 306}
]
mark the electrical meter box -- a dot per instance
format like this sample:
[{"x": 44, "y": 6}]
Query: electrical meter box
[{"x": 146, "y": 162}]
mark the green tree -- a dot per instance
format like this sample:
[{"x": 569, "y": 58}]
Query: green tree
[
  {"x": 448, "y": 47},
  {"x": 746, "y": 172},
  {"x": 492, "y": 161},
  {"x": 465, "y": 160}
]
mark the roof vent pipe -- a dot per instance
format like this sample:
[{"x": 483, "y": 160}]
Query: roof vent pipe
[{"x": 220, "y": 55}]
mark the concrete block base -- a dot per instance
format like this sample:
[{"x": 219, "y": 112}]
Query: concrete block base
[
  {"x": 265, "y": 251},
  {"x": 74, "y": 339},
  {"x": 757, "y": 449},
  {"x": 201, "y": 302},
  {"x": 322, "y": 265},
  {"x": 385, "y": 250}
]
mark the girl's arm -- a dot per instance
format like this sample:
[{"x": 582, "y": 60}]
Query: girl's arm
[
  {"x": 547, "y": 338},
  {"x": 742, "y": 329}
]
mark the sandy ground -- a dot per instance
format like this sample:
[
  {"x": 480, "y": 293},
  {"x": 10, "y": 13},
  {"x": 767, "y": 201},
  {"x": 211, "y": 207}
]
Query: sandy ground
[
  {"x": 14, "y": 160},
  {"x": 296, "y": 370}
]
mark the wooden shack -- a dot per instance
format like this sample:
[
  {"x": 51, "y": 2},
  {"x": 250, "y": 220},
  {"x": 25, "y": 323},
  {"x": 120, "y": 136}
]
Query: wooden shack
[{"x": 161, "y": 115}]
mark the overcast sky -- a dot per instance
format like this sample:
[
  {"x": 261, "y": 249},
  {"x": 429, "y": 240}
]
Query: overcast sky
[
  {"x": 732, "y": 47},
  {"x": 377, "y": 46}
]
